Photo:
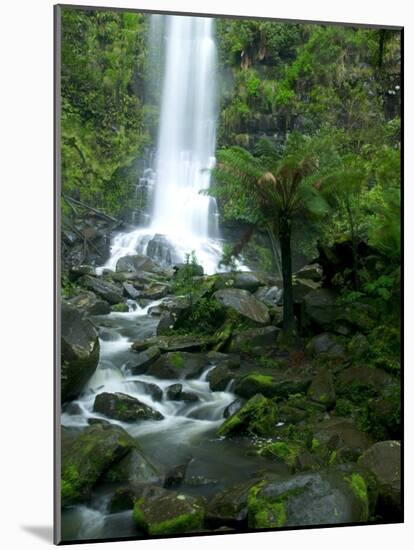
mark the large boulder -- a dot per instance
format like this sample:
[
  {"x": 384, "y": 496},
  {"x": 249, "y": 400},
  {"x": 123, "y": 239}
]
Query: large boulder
[
  {"x": 79, "y": 351},
  {"x": 270, "y": 295},
  {"x": 383, "y": 462},
  {"x": 178, "y": 364},
  {"x": 279, "y": 384},
  {"x": 325, "y": 345},
  {"x": 144, "y": 359},
  {"x": 360, "y": 382},
  {"x": 244, "y": 304},
  {"x": 137, "y": 262},
  {"x": 134, "y": 468},
  {"x": 342, "y": 436},
  {"x": 321, "y": 498},
  {"x": 110, "y": 292},
  {"x": 86, "y": 457},
  {"x": 258, "y": 416},
  {"x": 163, "y": 512},
  {"x": 228, "y": 508},
  {"x": 124, "y": 407},
  {"x": 89, "y": 304},
  {"x": 311, "y": 271},
  {"x": 320, "y": 307},
  {"x": 322, "y": 389},
  {"x": 244, "y": 280},
  {"x": 175, "y": 393},
  {"x": 247, "y": 340},
  {"x": 220, "y": 377}
]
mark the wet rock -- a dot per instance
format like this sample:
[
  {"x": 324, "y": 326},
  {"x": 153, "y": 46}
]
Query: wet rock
[
  {"x": 360, "y": 381},
  {"x": 144, "y": 359},
  {"x": 175, "y": 477},
  {"x": 247, "y": 340},
  {"x": 234, "y": 406},
  {"x": 154, "y": 292},
  {"x": 302, "y": 287},
  {"x": 383, "y": 462},
  {"x": 258, "y": 416},
  {"x": 123, "y": 407},
  {"x": 326, "y": 345},
  {"x": 79, "y": 351},
  {"x": 72, "y": 408},
  {"x": 108, "y": 291},
  {"x": 306, "y": 499},
  {"x": 150, "y": 389},
  {"x": 322, "y": 389},
  {"x": 123, "y": 498},
  {"x": 269, "y": 295},
  {"x": 166, "y": 323},
  {"x": 86, "y": 457},
  {"x": 219, "y": 378},
  {"x": 229, "y": 360},
  {"x": 130, "y": 291},
  {"x": 229, "y": 507},
  {"x": 245, "y": 280},
  {"x": 341, "y": 435},
  {"x": 243, "y": 303},
  {"x": 273, "y": 385},
  {"x": 320, "y": 307},
  {"x": 134, "y": 468},
  {"x": 76, "y": 271},
  {"x": 89, "y": 304},
  {"x": 122, "y": 307},
  {"x": 312, "y": 272},
  {"x": 178, "y": 364},
  {"x": 175, "y": 393},
  {"x": 138, "y": 262},
  {"x": 282, "y": 451},
  {"x": 162, "y": 512}
]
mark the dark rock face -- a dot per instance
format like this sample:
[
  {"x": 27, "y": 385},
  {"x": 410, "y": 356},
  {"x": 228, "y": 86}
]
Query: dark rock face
[
  {"x": 163, "y": 512},
  {"x": 150, "y": 389},
  {"x": 341, "y": 435},
  {"x": 175, "y": 393},
  {"x": 243, "y": 303},
  {"x": 176, "y": 475},
  {"x": 308, "y": 499},
  {"x": 90, "y": 304},
  {"x": 322, "y": 389},
  {"x": 79, "y": 351},
  {"x": 124, "y": 408},
  {"x": 86, "y": 457},
  {"x": 273, "y": 385},
  {"x": 320, "y": 307},
  {"x": 312, "y": 272},
  {"x": 360, "y": 379},
  {"x": 383, "y": 462},
  {"x": 325, "y": 344},
  {"x": 138, "y": 262},
  {"x": 234, "y": 406},
  {"x": 144, "y": 359},
  {"x": 130, "y": 291},
  {"x": 258, "y": 416},
  {"x": 108, "y": 291},
  {"x": 219, "y": 378},
  {"x": 229, "y": 507},
  {"x": 134, "y": 468},
  {"x": 246, "y": 340},
  {"x": 178, "y": 364}
]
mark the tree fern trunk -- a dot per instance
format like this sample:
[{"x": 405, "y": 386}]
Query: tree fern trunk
[{"x": 284, "y": 237}]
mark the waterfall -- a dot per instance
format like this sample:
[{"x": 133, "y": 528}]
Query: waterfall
[
  {"x": 186, "y": 140},
  {"x": 183, "y": 217}
]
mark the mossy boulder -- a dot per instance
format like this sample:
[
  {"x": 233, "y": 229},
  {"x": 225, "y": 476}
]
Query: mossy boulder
[
  {"x": 271, "y": 296},
  {"x": 108, "y": 291},
  {"x": 123, "y": 407},
  {"x": 360, "y": 382},
  {"x": 163, "y": 512},
  {"x": 325, "y": 345},
  {"x": 244, "y": 304},
  {"x": 342, "y": 436},
  {"x": 383, "y": 462},
  {"x": 279, "y": 384},
  {"x": 254, "y": 339},
  {"x": 320, "y": 307},
  {"x": 90, "y": 304},
  {"x": 229, "y": 507},
  {"x": 175, "y": 393},
  {"x": 134, "y": 468},
  {"x": 286, "y": 452},
  {"x": 137, "y": 262},
  {"x": 144, "y": 359},
  {"x": 219, "y": 378},
  {"x": 320, "y": 498},
  {"x": 322, "y": 389},
  {"x": 79, "y": 351},
  {"x": 258, "y": 416},
  {"x": 86, "y": 457},
  {"x": 122, "y": 307},
  {"x": 178, "y": 364}
]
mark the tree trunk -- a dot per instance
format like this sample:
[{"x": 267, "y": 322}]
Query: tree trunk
[{"x": 284, "y": 237}]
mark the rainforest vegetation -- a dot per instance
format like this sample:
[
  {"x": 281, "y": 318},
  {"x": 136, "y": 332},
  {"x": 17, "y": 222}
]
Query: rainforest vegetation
[{"x": 308, "y": 338}]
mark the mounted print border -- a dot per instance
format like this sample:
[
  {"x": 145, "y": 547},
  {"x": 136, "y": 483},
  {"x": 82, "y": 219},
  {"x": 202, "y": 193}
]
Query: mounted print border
[{"x": 228, "y": 282}]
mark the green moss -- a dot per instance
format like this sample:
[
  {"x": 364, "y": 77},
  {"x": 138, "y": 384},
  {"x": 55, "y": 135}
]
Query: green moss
[
  {"x": 257, "y": 417},
  {"x": 287, "y": 452},
  {"x": 120, "y": 308},
  {"x": 359, "y": 488},
  {"x": 184, "y": 522},
  {"x": 315, "y": 444},
  {"x": 263, "y": 513},
  {"x": 177, "y": 360}
]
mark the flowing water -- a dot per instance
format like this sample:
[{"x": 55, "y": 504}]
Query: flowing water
[{"x": 183, "y": 215}]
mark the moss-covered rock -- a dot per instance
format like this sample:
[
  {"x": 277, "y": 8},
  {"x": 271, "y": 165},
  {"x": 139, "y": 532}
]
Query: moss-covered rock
[
  {"x": 167, "y": 513},
  {"x": 79, "y": 351},
  {"x": 322, "y": 389},
  {"x": 274, "y": 384},
  {"x": 285, "y": 452},
  {"x": 123, "y": 407},
  {"x": 178, "y": 364},
  {"x": 122, "y": 307},
  {"x": 86, "y": 457},
  {"x": 358, "y": 383},
  {"x": 244, "y": 304},
  {"x": 342, "y": 436},
  {"x": 254, "y": 339},
  {"x": 258, "y": 416},
  {"x": 326, "y": 497}
]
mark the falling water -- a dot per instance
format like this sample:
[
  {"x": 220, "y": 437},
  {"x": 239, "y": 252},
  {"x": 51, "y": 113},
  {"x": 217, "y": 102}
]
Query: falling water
[{"x": 184, "y": 217}]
